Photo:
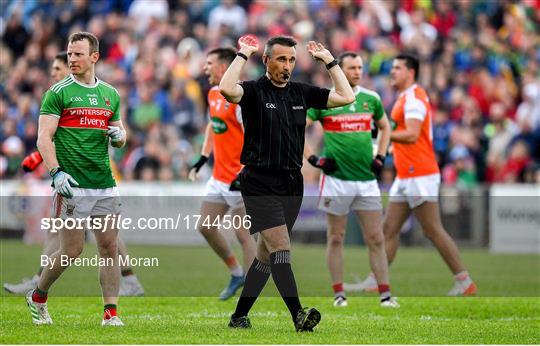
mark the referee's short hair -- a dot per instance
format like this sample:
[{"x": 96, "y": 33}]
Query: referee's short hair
[
  {"x": 225, "y": 54},
  {"x": 411, "y": 62},
  {"x": 62, "y": 56},
  {"x": 286, "y": 41},
  {"x": 348, "y": 54}
]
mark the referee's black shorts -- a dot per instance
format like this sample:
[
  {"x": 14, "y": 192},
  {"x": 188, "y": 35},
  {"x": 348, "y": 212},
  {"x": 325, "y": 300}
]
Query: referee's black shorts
[{"x": 272, "y": 197}]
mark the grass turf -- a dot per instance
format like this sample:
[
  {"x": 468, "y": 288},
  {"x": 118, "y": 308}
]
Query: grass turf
[{"x": 180, "y": 304}]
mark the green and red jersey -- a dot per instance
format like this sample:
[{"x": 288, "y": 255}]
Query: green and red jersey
[
  {"x": 347, "y": 134},
  {"x": 81, "y": 141}
]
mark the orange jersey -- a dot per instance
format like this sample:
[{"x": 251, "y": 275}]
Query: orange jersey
[
  {"x": 228, "y": 136},
  {"x": 414, "y": 159}
]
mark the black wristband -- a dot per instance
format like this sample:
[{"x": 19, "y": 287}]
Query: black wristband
[
  {"x": 202, "y": 160},
  {"x": 380, "y": 157},
  {"x": 313, "y": 159},
  {"x": 242, "y": 55},
  {"x": 331, "y": 64}
]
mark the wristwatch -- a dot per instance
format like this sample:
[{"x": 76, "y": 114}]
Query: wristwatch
[{"x": 331, "y": 64}]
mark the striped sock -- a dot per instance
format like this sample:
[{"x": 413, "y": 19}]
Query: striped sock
[
  {"x": 109, "y": 311},
  {"x": 384, "y": 292},
  {"x": 280, "y": 266},
  {"x": 39, "y": 296},
  {"x": 256, "y": 279}
]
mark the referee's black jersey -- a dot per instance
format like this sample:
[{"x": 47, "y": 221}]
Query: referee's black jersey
[{"x": 274, "y": 122}]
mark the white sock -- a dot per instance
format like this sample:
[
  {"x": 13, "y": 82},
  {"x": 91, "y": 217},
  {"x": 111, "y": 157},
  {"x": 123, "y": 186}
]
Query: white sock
[
  {"x": 237, "y": 271},
  {"x": 463, "y": 278}
]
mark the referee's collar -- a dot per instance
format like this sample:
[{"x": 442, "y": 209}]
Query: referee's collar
[{"x": 267, "y": 81}]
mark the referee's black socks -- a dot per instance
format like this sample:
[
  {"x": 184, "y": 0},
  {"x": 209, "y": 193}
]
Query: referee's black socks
[
  {"x": 256, "y": 279},
  {"x": 280, "y": 262}
]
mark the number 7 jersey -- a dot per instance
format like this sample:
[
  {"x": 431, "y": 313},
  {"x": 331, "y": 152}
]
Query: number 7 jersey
[{"x": 81, "y": 140}]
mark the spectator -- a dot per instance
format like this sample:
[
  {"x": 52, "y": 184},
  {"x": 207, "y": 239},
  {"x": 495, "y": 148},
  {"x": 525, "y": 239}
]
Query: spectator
[
  {"x": 480, "y": 64},
  {"x": 514, "y": 168},
  {"x": 147, "y": 112},
  {"x": 442, "y": 128},
  {"x": 143, "y": 12},
  {"x": 499, "y": 132},
  {"x": 228, "y": 18},
  {"x": 528, "y": 112},
  {"x": 461, "y": 169}
]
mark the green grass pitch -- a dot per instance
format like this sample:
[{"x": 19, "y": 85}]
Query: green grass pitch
[{"x": 180, "y": 305}]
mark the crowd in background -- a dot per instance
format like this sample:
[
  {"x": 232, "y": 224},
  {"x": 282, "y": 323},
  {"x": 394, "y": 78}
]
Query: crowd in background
[{"x": 480, "y": 63}]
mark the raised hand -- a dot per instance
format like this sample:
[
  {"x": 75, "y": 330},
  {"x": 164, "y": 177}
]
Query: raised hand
[
  {"x": 248, "y": 44},
  {"x": 318, "y": 52}
]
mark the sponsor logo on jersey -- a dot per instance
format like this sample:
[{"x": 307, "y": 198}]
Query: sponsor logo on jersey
[
  {"x": 360, "y": 122},
  {"x": 76, "y": 99},
  {"x": 88, "y": 112},
  {"x": 92, "y": 118},
  {"x": 219, "y": 126},
  {"x": 270, "y": 105},
  {"x": 92, "y": 122},
  {"x": 297, "y": 108}
]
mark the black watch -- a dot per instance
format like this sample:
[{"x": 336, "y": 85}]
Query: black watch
[{"x": 331, "y": 64}]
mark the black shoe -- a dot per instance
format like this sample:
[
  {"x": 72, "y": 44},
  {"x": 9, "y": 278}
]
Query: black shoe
[
  {"x": 240, "y": 322},
  {"x": 307, "y": 319}
]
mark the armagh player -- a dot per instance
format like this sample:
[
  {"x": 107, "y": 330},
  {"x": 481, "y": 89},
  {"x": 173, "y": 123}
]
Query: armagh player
[
  {"x": 129, "y": 283},
  {"x": 352, "y": 183},
  {"x": 225, "y": 135},
  {"x": 417, "y": 183},
  {"x": 82, "y": 114}
]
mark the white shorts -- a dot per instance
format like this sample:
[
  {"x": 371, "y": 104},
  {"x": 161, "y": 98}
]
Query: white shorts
[
  {"x": 218, "y": 192},
  {"x": 87, "y": 202},
  {"x": 338, "y": 196},
  {"x": 416, "y": 190}
]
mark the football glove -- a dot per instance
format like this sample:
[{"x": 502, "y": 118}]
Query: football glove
[
  {"x": 63, "y": 182},
  {"x": 327, "y": 165}
]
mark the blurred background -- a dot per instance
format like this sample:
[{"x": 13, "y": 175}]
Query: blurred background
[{"x": 480, "y": 63}]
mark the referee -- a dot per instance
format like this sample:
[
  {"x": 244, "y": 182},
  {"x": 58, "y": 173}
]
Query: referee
[{"x": 274, "y": 116}]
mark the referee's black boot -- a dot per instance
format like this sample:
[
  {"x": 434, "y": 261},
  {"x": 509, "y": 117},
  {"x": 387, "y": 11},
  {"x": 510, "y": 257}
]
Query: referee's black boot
[
  {"x": 307, "y": 319},
  {"x": 240, "y": 322}
]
